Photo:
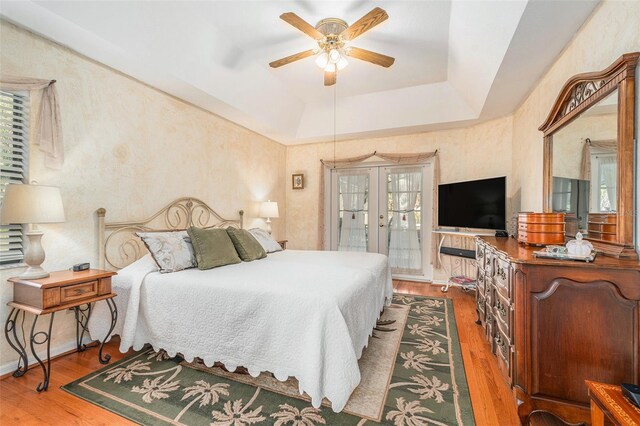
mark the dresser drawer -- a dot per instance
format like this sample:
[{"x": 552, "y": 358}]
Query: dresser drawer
[
  {"x": 489, "y": 326},
  {"x": 481, "y": 307},
  {"x": 489, "y": 256},
  {"x": 76, "y": 292},
  {"x": 503, "y": 313},
  {"x": 480, "y": 281},
  {"x": 501, "y": 279},
  {"x": 488, "y": 296},
  {"x": 540, "y": 238},
  {"x": 541, "y": 227},
  {"x": 480, "y": 250},
  {"x": 504, "y": 352}
]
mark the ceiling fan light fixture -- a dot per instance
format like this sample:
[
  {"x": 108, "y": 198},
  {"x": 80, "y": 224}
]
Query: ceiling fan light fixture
[
  {"x": 333, "y": 38},
  {"x": 322, "y": 60},
  {"x": 342, "y": 62},
  {"x": 334, "y": 56}
]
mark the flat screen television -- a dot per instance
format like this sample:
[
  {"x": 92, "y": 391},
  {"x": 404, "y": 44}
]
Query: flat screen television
[{"x": 478, "y": 204}]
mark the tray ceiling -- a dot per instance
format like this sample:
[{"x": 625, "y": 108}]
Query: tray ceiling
[{"x": 457, "y": 62}]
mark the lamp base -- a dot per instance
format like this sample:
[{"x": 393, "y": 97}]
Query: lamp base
[
  {"x": 34, "y": 256},
  {"x": 269, "y": 225},
  {"x": 33, "y": 273}
]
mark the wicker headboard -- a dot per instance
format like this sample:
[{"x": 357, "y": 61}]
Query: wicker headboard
[{"x": 118, "y": 246}]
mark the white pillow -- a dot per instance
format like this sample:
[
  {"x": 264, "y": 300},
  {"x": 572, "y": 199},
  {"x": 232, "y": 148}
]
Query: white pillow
[
  {"x": 266, "y": 240},
  {"x": 172, "y": 250}
]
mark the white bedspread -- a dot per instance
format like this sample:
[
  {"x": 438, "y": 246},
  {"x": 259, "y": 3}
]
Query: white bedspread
[{"x": 306, "y": 314}]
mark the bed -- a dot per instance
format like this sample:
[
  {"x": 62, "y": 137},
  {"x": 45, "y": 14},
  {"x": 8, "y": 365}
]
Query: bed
[{"x": 305, "y": 314}]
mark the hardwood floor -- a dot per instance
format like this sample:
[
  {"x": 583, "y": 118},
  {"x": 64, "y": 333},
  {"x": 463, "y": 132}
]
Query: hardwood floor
[{"x": 492, "y": 401}]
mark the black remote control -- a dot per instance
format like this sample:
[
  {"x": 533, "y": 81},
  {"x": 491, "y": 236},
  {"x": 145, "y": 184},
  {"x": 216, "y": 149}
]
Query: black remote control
[
  {"x": 80, "y": 267},
  {"x": 632, "y": 393}
]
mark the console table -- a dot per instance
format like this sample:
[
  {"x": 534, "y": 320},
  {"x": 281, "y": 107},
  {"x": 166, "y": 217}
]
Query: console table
[
  {"x": 61, "y": 290},
  {"x": 461, "y": 245}
]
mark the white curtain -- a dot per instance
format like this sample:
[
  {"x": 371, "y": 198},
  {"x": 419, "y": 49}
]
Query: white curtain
[
  {"x": 404, "y": 244},
  {"x": 607, "y": 172},
  {"x": 48, "y": 133},
  {"x": 354, "y": 190}
]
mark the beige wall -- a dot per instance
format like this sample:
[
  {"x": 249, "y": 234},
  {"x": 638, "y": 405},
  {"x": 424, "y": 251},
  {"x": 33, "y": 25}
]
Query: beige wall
[
  {"x": 132, "y": 149},
  {"x": 481, "y": 151},
  {"x": 610, "y": 32}
]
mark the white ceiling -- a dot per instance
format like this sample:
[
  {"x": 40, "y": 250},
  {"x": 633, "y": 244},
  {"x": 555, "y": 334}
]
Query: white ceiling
[{"x": 457, "y": 62}]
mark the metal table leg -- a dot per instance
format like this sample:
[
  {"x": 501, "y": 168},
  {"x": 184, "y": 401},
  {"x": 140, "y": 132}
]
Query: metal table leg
[
  {"x": 82, "y": 320},
  {"x": 114, "y": 318},
  {"x": 10, "y": 327},
  {"x": 41, "y": 338}
]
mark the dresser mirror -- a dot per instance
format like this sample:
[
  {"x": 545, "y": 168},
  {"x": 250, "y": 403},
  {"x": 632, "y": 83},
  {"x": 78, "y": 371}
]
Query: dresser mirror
[
  {"x": 584, "y": 167},
  {"x": 588, "y": 157}
]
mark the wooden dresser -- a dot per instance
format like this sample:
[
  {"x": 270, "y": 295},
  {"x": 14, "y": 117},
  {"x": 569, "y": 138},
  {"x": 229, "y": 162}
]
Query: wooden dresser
[{"x": 554, "y": 324}]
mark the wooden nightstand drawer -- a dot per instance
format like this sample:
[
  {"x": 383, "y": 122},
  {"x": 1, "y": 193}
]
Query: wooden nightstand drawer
[
  {"x": 62, "y": 288},
  {"x": 74, "y": 292}
]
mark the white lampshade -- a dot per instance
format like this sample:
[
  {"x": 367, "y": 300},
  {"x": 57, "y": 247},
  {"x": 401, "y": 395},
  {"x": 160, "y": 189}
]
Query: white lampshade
[
  {"x": 24, "y": 203},
  {"x": 342, "y": 63},
  {"x": 322, "y": 60},
  {"x": 269, "y": 209},
  {"x": 330, "y": 67},
  {"x": 334, "y": 56}
]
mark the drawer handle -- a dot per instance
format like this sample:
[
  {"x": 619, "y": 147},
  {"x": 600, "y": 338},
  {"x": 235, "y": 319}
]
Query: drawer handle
[
  {"x": 501, "y": 344},
  {"x": 79, "y": 291},
  {"x": 502, "y": 273}
]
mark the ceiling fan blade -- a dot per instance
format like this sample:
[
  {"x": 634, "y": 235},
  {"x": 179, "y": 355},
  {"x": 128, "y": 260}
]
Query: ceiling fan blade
[
  {"x": 369, "y": 56},
  {"x": 296, "y": 21},
  {"x": 291, "y": 58},
  {"x": 364, "y": 24},
  {"x": 330, "y": 78}
]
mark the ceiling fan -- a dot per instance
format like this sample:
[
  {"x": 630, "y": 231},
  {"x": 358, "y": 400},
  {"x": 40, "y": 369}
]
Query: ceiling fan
[{"x": 332, "y": 36}]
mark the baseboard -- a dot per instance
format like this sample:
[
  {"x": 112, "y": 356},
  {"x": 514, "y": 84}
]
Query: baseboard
[{"x": 8, "y": 368}]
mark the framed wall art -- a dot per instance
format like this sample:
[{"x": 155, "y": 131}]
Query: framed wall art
[{"x": 297, "y": 181}]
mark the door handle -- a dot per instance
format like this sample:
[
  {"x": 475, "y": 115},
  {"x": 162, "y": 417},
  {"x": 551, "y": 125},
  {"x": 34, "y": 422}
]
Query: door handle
[{"x": 382, "y": 225}]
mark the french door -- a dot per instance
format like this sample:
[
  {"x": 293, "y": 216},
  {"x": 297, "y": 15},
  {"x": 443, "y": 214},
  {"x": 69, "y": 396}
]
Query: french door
[{"x": 383, "y": 209}]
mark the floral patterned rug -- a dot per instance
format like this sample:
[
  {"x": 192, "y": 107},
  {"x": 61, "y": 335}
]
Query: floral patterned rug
[{"x": 427, "y": 386}]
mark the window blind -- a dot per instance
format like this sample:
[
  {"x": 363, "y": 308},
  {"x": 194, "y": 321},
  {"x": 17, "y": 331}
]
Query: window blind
[{"x": 14, "y": 134}]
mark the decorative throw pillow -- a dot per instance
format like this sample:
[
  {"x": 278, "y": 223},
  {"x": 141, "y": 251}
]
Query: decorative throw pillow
[
  {"x": 266, "y": 240},
  {"x": 246, "y": 245},
  {"x": 213, "y": 247},
  {"x": 172, "y": 251}
]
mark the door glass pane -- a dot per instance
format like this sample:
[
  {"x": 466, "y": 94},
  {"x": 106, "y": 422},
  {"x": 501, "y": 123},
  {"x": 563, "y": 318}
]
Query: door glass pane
[
  {"x": 404, "y": 205},
  {"x": 353, "y": 212}
]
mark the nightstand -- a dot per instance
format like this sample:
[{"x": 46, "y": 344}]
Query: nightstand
[
  {"x": 61, "y": 290},
  {"x": 607, "y": 402},
  {"x": 283, "y": 244}
]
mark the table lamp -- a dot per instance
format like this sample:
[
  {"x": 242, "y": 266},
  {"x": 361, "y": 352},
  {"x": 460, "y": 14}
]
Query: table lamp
[
  {"x": 269, "y": 209},
  {"x": 32, "y": 204}
]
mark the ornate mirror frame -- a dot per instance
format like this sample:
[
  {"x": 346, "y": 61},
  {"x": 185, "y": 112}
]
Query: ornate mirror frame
[{"x": 577, "y": 95}]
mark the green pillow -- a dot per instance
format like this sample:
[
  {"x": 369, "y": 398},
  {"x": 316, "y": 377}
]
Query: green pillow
[
  {"x": 212, "y": 247},
  {"x": 246, "y": 245}
]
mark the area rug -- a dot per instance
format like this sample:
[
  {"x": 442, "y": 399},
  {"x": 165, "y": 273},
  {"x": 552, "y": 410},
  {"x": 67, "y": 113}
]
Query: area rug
[{"x": 412, "y": 374}]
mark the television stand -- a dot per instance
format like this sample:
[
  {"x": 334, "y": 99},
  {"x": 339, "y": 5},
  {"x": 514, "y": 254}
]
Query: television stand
[{"x": 460, "y": 250}]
